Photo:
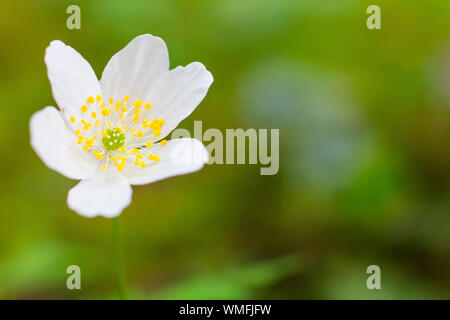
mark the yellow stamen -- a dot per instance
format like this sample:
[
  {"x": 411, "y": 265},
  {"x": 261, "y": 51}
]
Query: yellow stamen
[
  {"x": 98, "y": 154},
  {"x": 137, "y": 103}
]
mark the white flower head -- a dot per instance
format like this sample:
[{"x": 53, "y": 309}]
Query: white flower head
[{"x": 110, "y": 133}]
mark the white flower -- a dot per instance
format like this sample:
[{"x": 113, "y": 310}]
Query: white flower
[{"x": 109, "y": 133}]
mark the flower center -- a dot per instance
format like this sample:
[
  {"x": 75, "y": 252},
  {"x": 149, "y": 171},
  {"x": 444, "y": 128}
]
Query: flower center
[
  {"x": 114, "y": 139},
  {"x": 115, "y": 122}
]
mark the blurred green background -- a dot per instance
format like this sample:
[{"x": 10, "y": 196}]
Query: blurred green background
[{"x": 364, "y": 119}]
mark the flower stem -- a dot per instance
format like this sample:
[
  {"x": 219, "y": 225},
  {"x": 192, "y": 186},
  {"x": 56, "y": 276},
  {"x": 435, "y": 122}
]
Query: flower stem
[{"x": 118, "y": 258}]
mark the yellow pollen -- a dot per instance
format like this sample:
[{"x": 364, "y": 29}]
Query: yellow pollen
[
  {"x": 99, "y": 98},
  {"x": 153, "y": 124},
  {"x": 73, "y": 119},
  {"x": 105, "y": 112},
  {"x": 139, "y": 156},
  {"x": 84, "y": 108},
  {"x": 126, "y": 98},
  {"x": 90, "y": 100},
  {"x": 140, "y": 134},
  {"x": 137, "y": 103},
  {"x": 163, "y": 142},
  {"x": 85, "y": 148},
  {"x": 149, "y": 144},
  {"x": 157, "y": 133},
  {"x": 151, "y": 157},
  {"x": 124, "y": 108},
  {"x": 123, "y": 149},
  {"x": 90, "y": 142},
  {"x": 135, "y": 118},
  {"x": 121, "y": 116},
  {"x": 156, "y": 158},
  {"x": 77, "y": 131},
  {"x": 111, "y": 100},
  {"x": 98, "y": 154},
  {"x": 136, "y": 111},
  {"x": 147, "y": 105},
  {"x": 134, "y": 150},
  {"x": 104, "y": 167},
  {"x": 112, "y": 159},
  {"x": 136, "y": 162},
  {"x": 94, "y": 115},
  {"x": 144, "y": 122},
  {"x": 104, "y": 133},
  {"x": 142, "y": 164}
]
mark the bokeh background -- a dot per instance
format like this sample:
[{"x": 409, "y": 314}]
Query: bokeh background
[{"x": 364, "y": 119}]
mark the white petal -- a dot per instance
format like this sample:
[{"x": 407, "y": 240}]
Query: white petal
[
  {"x": 179, "y": 156},
  {"x": 106, "y": 194},
  {"x": 56, "y": 145},
  {"x": 133, "y": 70},
  {"x": 177, "y": 94},
  {"x": 71, "y": 77}
]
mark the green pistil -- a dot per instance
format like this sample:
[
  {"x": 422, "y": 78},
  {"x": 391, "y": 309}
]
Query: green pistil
[{"x": 114, "y": 139}]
